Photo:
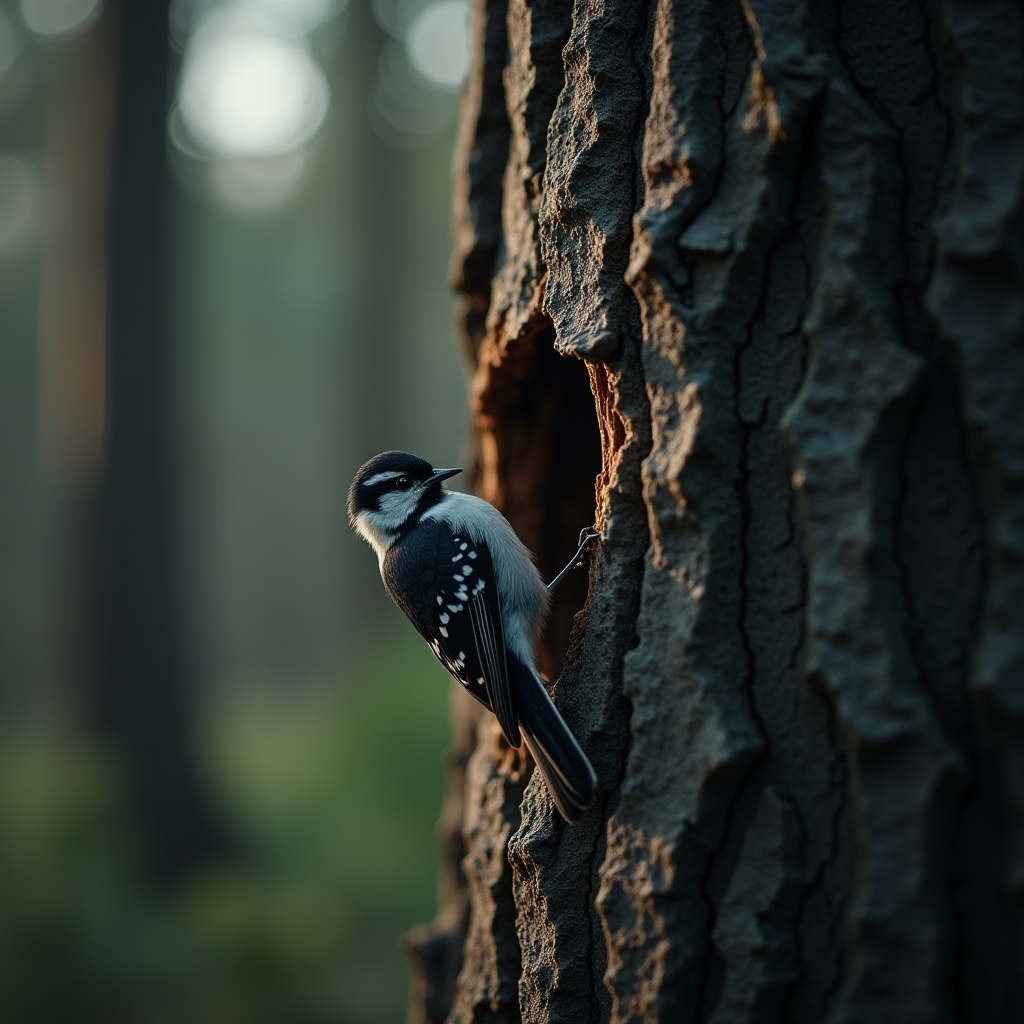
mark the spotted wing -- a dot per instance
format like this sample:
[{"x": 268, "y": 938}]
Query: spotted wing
[{"x": 444, "y": 582}]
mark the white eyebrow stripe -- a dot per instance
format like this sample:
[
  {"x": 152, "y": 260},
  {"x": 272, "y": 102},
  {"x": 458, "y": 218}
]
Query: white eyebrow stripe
[{"x": 379, "y": 478}]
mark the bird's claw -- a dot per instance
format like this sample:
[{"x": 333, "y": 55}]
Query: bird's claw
[{"x": 587, "y": 536}]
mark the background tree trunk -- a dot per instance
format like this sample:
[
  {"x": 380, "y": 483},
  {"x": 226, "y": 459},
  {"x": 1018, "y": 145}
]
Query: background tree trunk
[
  {"x": 783, "y": 243},
  {"x": 144, "y": 701}
]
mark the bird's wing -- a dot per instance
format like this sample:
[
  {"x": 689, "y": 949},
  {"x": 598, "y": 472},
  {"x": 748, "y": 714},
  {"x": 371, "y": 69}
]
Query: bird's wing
[
  {"x": 489, "y": 637},
  {"x": 457, "y": 610}
]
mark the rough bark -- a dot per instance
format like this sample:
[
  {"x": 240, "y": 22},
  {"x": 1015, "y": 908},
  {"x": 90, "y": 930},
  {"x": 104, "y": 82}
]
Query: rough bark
[{"x": 784, "y": 242}]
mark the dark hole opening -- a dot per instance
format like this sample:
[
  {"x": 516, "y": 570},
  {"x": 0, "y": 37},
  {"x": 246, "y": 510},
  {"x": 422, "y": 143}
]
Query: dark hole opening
[{"x": 549, "y": 451}]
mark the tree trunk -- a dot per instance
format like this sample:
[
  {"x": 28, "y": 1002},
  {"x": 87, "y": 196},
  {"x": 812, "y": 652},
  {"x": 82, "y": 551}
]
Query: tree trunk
[
  {"x": 144, "y": 702},
  {"x": 782, "y": 243}
]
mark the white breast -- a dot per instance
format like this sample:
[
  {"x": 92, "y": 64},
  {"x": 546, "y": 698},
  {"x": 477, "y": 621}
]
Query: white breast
[{"x": 375, "y": 535}]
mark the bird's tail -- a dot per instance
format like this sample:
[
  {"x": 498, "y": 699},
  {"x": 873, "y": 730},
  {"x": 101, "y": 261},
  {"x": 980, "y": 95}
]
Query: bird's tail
[{"x": 570, "y": 776}]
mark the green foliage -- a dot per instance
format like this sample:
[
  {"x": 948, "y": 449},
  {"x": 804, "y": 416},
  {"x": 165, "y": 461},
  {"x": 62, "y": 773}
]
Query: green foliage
[{"x": 332, "y": 797}]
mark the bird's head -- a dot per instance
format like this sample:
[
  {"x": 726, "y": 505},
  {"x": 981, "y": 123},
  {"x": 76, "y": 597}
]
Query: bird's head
[{"x": 390, "y": 492}]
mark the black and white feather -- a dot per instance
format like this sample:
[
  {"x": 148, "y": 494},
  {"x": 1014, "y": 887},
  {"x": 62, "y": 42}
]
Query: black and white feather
[{"x": 454, "y": 565}]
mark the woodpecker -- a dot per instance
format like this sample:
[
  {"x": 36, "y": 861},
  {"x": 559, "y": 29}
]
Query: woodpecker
[{"x": 454, "y": 565}]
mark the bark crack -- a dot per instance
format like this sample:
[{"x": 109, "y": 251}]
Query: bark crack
[
  {"x": 838, "y": 789},
  {"x": 790, "y": 232}
]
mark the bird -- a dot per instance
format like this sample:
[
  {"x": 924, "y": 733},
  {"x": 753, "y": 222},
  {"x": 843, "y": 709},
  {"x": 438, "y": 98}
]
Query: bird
[{"x": 454, "y": 565}]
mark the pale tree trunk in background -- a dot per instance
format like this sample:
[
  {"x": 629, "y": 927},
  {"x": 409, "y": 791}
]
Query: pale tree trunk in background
[{"x": 784, "y": 242}]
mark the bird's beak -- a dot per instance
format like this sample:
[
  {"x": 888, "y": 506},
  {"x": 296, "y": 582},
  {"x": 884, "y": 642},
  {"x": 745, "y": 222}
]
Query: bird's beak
[{"x": 440, "y": 474}]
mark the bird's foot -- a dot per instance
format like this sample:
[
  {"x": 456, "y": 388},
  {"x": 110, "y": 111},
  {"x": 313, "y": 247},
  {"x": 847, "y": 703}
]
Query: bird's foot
[{"x": 587, "y": 536}]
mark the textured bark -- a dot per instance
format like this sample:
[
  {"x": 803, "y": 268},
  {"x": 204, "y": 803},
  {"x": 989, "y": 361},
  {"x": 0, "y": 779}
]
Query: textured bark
[{"x": 784, "y": 242}]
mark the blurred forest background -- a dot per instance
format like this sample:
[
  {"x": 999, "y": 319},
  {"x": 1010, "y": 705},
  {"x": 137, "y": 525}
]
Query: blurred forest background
[{"x": 223, "y": 263}]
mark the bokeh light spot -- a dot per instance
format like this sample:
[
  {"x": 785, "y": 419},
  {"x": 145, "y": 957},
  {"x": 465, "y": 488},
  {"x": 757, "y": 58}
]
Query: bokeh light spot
[
  {"x": 438, "y": 43},
  {"x": 59, "y": 17},
  {"x": 304, "y": 15},
  {"x": 245, "y": 92}
]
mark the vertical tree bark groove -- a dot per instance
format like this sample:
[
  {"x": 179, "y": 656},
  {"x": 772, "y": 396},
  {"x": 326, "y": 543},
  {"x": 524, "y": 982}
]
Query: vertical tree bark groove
[{"x": 758, "y": 279}]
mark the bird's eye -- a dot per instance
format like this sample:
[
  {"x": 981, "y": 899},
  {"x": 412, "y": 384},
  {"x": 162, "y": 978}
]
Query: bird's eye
[{"x": 403, "y": 483}]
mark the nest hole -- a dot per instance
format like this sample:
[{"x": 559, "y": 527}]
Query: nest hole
[{"x": 546, "y": 445}]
